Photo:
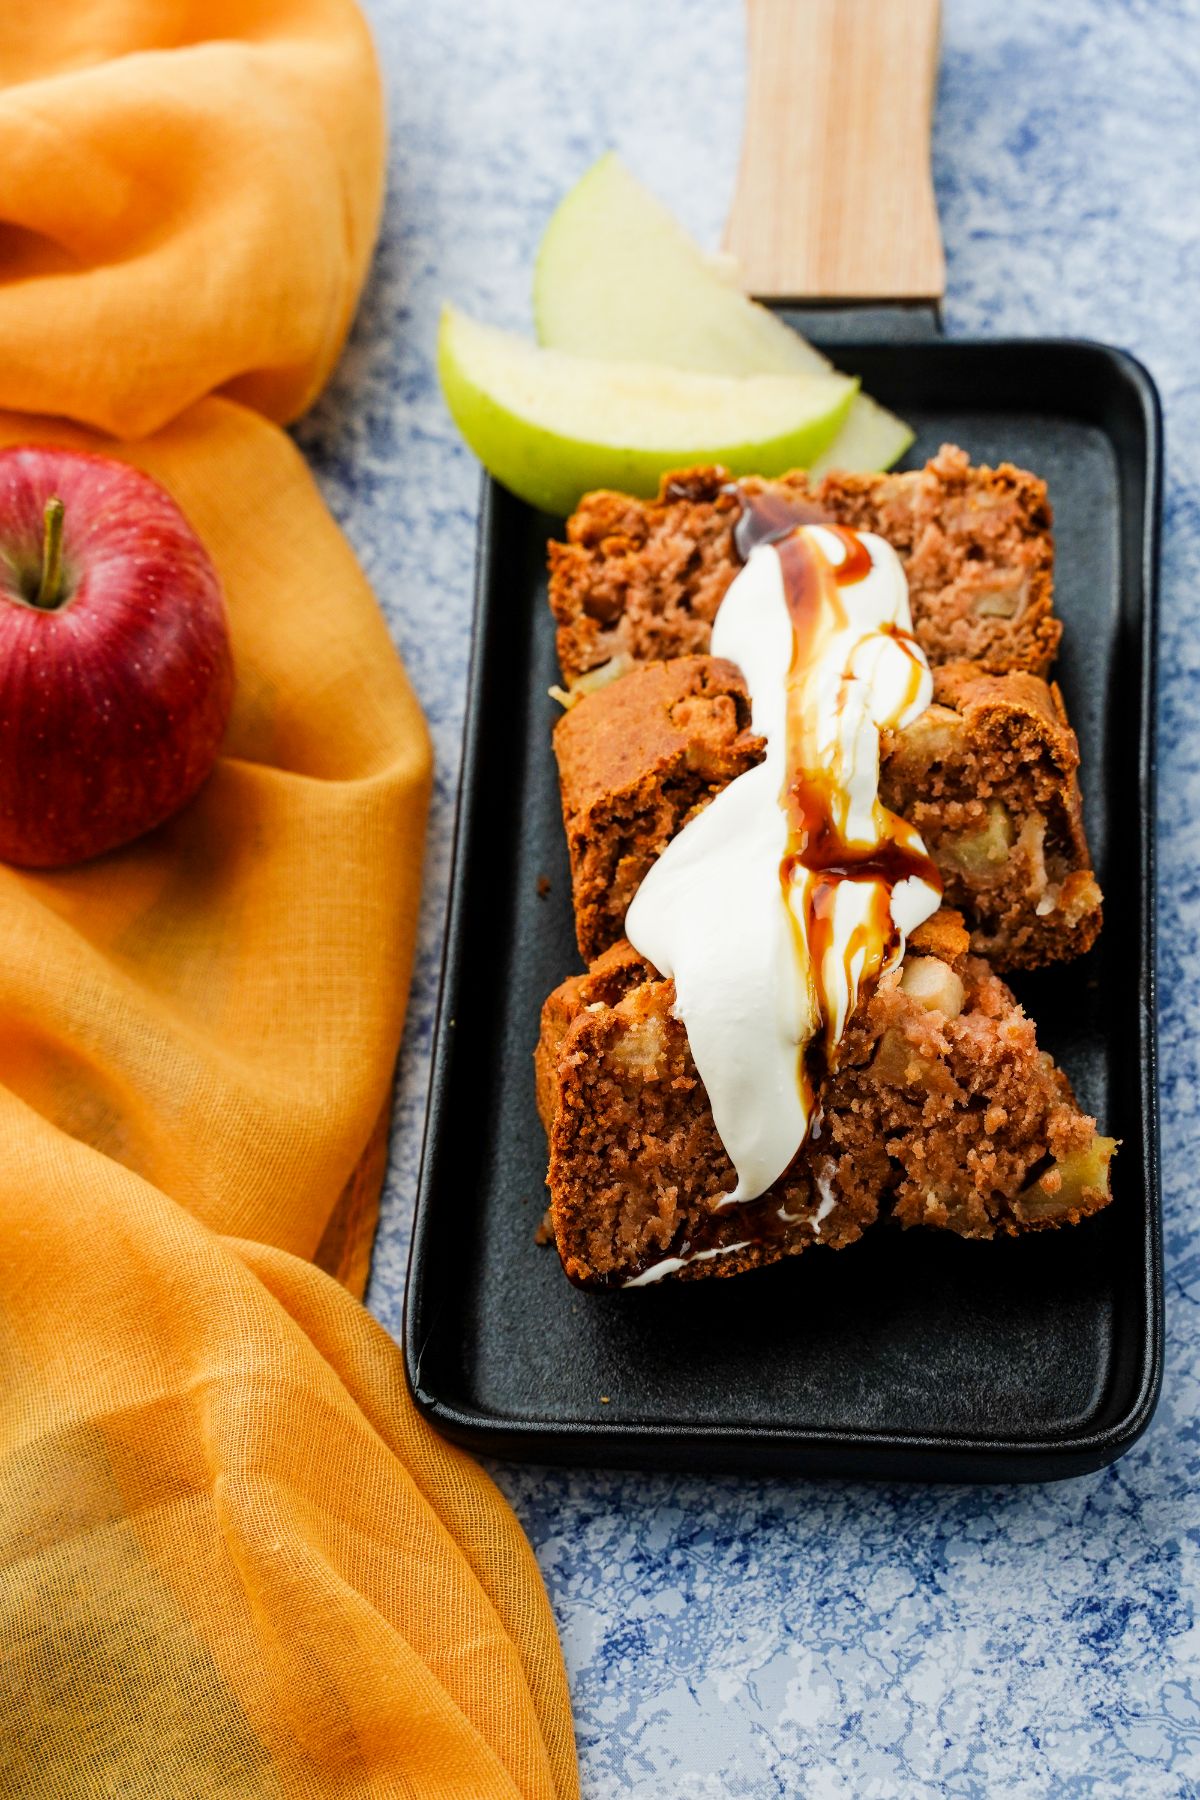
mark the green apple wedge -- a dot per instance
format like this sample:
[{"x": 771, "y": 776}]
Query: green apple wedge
[
  {"x": 617, "y": 276},
  {"x": 549, "y": 425}
]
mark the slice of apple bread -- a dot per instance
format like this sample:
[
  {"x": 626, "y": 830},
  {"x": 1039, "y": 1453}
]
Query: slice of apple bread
[
  {"x": 988, "y": 775},
  {"x": 941, "y": 1112},
  {"x": 641, "y": 580}
]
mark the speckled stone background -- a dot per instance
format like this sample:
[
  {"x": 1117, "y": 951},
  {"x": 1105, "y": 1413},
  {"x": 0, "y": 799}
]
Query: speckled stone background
[{"x": 725, "y": 1637}]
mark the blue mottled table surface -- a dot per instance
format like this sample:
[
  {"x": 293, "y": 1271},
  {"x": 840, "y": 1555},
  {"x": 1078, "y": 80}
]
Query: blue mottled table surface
[{"x": 736, "y": 1637}]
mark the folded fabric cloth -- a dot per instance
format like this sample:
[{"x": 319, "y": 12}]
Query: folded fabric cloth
[
  {"x": 189, "y": 194},
  {"x": 236, "y": 1562}
]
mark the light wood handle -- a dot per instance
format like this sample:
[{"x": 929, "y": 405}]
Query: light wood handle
[{"x": 834, "y": 197}]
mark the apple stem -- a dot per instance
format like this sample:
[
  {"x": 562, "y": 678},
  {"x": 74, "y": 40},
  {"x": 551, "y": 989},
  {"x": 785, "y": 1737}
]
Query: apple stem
[{"x": 50, "y": 587}]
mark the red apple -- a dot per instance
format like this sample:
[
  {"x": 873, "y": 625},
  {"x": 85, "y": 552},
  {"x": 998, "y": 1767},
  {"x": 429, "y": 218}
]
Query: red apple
[{"x": 116, "y": 677}]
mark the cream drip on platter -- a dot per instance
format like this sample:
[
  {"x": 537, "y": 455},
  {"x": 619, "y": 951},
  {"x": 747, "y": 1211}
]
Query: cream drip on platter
[{"x": 795, "y": 885}]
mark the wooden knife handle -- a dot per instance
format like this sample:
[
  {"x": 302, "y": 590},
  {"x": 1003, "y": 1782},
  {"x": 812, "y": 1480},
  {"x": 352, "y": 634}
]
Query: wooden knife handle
[{"x": 834, "y": 196}]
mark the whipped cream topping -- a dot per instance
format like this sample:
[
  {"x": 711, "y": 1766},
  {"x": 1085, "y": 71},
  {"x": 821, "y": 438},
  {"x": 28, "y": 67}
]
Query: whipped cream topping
[
  {"x": 795, "y": 885},
  {"x": 671, "y": 1265}
]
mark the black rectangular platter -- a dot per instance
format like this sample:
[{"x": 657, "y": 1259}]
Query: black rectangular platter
[{"x": 912, "y": 1355}]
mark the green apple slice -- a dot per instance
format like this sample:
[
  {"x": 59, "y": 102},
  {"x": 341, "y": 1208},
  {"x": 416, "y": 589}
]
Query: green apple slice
[
  {"x": 872, "y": 438},
  {"x": 550, "y": 426},
  {"x": 618, "y": 277}
]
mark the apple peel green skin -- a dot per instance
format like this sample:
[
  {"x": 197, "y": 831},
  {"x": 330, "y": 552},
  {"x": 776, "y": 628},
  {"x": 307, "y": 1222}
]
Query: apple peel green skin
[
  {"x": 551, "y": 426},
  {"x": 618, "y": 277}
]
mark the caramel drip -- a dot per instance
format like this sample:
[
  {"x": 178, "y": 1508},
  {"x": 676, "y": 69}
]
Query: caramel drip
[
  {"x": 768, "y": 516},
  {"x": 916, "y": 660},
  {"x": 815, "y": 839}
]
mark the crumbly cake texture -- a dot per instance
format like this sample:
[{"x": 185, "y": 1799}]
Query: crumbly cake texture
[
  {"x": 636, "y": 761},
  {"x": 942, "y": 1112},
  {"x": 641, "y": 580},
  {"x": 988, "y": 775}
]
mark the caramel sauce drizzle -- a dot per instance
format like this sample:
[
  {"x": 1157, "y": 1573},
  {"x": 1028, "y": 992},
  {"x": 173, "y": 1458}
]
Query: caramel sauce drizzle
[
  {"x": 810, "y": 801},
  {"x": 916, "y": 659},
  {"x": 767, "y": 517}
]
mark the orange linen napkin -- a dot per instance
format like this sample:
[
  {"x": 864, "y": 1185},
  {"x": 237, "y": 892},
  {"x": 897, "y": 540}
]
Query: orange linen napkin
[{"x": 233, "y": 1561}]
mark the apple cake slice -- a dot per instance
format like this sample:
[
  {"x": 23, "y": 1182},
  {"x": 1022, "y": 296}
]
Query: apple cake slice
[
  {"x": 987, "y": 775},
  {"x": 641, "y": 580},
  {"x": 636, "y": 760},
  {"x": 940, "y": 1111}
]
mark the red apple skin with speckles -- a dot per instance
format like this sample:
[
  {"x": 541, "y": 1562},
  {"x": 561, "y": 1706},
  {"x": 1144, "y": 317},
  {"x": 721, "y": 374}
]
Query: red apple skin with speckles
[{"x": 113, "y": 702}]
